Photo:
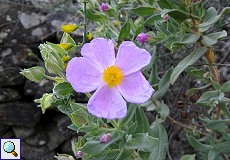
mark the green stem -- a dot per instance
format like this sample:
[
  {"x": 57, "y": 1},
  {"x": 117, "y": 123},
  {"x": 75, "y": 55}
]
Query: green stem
[
  {"x": 88, "y": 95},
  {"x": 84, "y": 36},
  {"x": 51, "y": 78},
  {"x": 114, "y": 123}
]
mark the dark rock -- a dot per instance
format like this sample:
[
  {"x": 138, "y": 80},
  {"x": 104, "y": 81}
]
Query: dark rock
[
  {"x": 3, "y": 129},
  {"x": 11, "y": 76},
  {"x": 37, "y": 89},
  {"x": 31, "y": 19},
  {"x": 58, "y": 133},
  {"x": 19, "y": 113},
  {"x": 39, "y": 139},
  {"x": 8, "y": 134},
  {"x": 36, "y": 153},
  {"x": 66, "y": 146},
  {"x": 22, "y": 26},
  {"x": 23, "y": 132},
  {"x": 17, "y": 55},
  {"x": 8, "y": 94}
]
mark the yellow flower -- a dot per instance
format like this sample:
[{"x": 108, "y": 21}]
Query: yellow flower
[
  {"x": 89, "y": 36},
  {"x": 68, "y": 28}
]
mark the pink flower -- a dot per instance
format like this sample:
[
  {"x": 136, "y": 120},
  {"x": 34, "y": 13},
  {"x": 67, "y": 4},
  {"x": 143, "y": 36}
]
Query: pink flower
[
  {"x": 104, "y": 7},
  {"x": 105, "y": 138},
  {"x": 142, "y": 37},
  {"x": 115, "y": 79}
]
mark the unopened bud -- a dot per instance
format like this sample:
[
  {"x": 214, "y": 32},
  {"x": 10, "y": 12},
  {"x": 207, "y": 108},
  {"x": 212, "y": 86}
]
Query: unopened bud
[
  {"x": 79, "y": 154},
  {"x": 142, "y": 37},
  {"x": 104, "y": 7},
  {"x": 35, "y": 74},
  {"x": 105, "y": 138},
  {"x": 166, "y": 17},
  {"x": 68, "y": 28},
  {"x": 65, "y": 46},
  {"x": 116, "y": 23},
  {"x": 89, "y": 36}
]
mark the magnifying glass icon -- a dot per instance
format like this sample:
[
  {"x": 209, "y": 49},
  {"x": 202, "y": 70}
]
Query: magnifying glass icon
[{"x": 9, "y": 147}]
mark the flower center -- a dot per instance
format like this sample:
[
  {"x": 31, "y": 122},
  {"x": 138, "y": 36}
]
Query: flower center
[{"x": 113, "y": 76}]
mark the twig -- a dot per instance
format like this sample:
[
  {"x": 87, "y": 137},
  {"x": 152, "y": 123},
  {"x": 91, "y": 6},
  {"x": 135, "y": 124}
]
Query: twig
[
  {"x": 184, "y": 126},
  {"x": 84, "y": 36}
]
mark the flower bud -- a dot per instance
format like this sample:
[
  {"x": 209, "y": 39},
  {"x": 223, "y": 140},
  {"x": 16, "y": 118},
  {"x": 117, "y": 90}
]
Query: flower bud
[
  {"x": 79, "y": 154},
  {"x": 68, "y": 28},
  {"x": 105, "y": 138},
  {"x": 166, "y": 17},
  {"x": 116, "y": 23},
  {"x": 65, "y": 58},
  {"x": 89, "y": 36},
  {"x": 142, "y": 38},
  {"x": 104, "y": 7},
  {"x": 65, "y": 46},
  {"x": 35, "y": 74}
]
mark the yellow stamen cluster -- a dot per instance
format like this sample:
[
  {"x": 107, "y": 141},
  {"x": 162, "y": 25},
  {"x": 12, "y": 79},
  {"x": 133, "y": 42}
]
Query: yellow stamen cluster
[{"x": 113, "y": 76}]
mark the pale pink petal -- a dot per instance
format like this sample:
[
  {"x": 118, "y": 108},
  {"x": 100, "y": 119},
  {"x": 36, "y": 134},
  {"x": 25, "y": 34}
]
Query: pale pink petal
[
  {"x": 135, "y": 88},
  {"x": 131, "y": 59},
  {"x": 107, "y": 103},
  {"x": 83, "y": 75},
  {"x": 100, "y": 52}
]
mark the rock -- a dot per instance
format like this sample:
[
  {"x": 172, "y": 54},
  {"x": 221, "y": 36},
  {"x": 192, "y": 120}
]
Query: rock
[
  {"x": 66, "y": 147},
  {"x": 23, "y": 132},
  {"x": 8, "y": 94},
  {"x": 11, "y": 76},
  {"x": 36, "y": 153},
  {"x": 8, "y": 134},
  {"x": 38, "y": 139},
  {"x": 3, "y": 129},
  {"x": 36, "y": 90},
  {"x": 18, "y": 55},
  {"x": 19, "y": 113},
  {"x": 31, "y": 20},
  {"x": 58, "y": 133}
]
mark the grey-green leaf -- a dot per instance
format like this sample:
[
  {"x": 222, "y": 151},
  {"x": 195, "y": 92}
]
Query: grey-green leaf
[
  {"x": 188, "y": 157},
  {"x": 159, "y": 152},
  {"x": 125, "y": 30},
  {"x": 187, "y": 61},
  {"x": 212, "y": 38},
  {"x": 144, "y": 11},
  {"x": 206, "y": 25},
  {"x": 163, "y": 85},
  {"x": 196, "y": 144},
  {"x": 142, "y": 141},
  {"x": 93, "y": 147},
  {"x": 62, "y": 89}
]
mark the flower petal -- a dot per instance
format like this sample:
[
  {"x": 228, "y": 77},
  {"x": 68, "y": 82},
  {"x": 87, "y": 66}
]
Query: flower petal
[
  {"x": 83, "y": 75},
  {"x": 130, "y": 58},
  {"x": 100, "y": 52},
  {"x": 135, "y": 88},
  {"x": 107, "y": 103}
]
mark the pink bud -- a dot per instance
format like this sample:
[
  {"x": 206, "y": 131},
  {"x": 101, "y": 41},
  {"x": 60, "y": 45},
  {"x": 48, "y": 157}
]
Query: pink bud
[
  {"x": 195, "y": 1},
  {"x": 104, "y": 7},
  {"x": 105, "y": 138},
  {"x": 79, "y": 154},
  {"x": 166, "y": 17},
  {"x": 142, "y": 37}
]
